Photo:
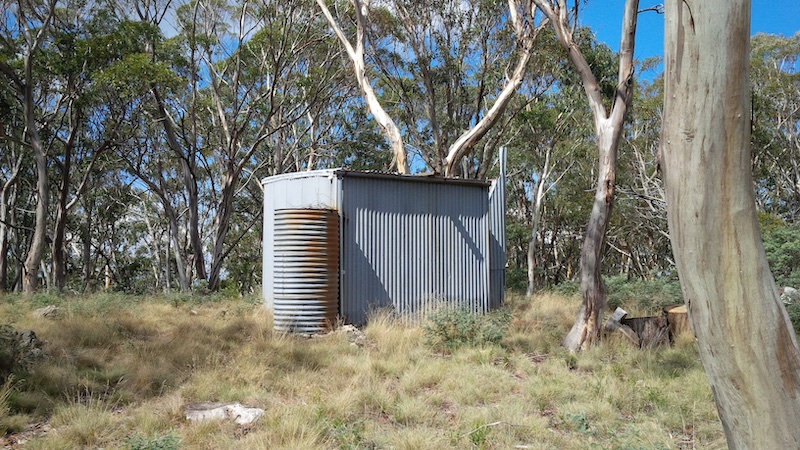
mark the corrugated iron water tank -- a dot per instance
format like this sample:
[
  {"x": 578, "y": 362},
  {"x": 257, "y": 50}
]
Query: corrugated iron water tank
[{"x": 306, "y": 270}]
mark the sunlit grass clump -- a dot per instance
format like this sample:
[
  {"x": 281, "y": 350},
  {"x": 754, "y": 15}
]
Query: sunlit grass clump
[{"x": 119, "y": 370}]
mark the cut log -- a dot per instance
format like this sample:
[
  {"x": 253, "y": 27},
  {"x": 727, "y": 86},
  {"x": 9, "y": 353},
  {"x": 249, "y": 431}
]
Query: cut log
[
  {"x": 652, "y": 331},
  {"x": 678, "y": 319}
]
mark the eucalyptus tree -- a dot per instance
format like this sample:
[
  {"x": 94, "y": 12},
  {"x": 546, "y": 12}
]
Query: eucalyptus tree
[
  {"x": 446, "y": 71},
  {"x": 87, "y": 40},
  {"x": 775, "y": 84},
  {"x": 67, "y": 126},
  {"x": 265, "y": 74},
  {"x": 744, "y": 336},
  {"x": 10, "y": 170},
  {"x": 179, "y": 127},
  {"x": 140, "y": 83},
  {"x": 12, "y": 160},
  {"x": 25, "y": 30},
  {"x": 608, "y": 125}
]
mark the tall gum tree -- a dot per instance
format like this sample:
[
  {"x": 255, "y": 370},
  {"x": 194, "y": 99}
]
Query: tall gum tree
[
  {"x": 356, "y": 55},
  {"x": 744, "y": 336},
  {"x": 608, "y": 126},
  {"x": 31, "y": 24},
  {"x": 428, "y": 53}
]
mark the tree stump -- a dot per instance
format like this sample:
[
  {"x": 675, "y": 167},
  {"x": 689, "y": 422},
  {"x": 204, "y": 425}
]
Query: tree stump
[
  {"x": 652, "y": 331},
  {"x": 678, "y": 319}
]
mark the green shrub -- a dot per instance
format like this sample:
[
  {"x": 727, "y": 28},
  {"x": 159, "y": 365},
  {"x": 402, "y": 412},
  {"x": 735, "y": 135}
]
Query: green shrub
[
  {"x": 649, "y": 295},
  {"x": 782, "y": 246},
  {"x": 794, "y": 316},
  {"x": 568, "y": 288},
  {"x": 451, "y": 327},
  {"x": 165, "y": 442}
]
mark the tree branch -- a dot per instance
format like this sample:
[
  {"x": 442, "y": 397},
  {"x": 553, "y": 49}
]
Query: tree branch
[{"x": 356, "y": 54}]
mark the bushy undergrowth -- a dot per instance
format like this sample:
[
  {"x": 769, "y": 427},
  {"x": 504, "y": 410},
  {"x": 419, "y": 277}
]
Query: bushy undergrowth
[
  {"x": 794, "y": 316},
  {"x": 782, "y": 247},
  {"x": 117, "y": 375},
  {"x": 164, "y": 442},
  {"x": 645, "y": 295},
  {"x": 448, "y": 328}
]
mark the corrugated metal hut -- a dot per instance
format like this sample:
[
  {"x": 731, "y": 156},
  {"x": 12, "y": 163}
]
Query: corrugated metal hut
[{"x": 339, "y": 243}]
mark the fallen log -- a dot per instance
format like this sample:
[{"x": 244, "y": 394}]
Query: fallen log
[{"x": 205, "y": 411}]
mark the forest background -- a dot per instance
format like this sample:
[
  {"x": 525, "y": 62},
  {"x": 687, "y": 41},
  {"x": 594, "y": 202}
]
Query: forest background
[{"x": 134, "y": 135}]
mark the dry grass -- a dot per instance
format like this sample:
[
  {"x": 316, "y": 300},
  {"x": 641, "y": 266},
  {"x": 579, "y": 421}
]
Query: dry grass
[{"x": 120, "y": 369}]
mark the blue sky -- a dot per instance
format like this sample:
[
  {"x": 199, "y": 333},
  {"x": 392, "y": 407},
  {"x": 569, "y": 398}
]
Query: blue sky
[{"x": 604, "y": 17}]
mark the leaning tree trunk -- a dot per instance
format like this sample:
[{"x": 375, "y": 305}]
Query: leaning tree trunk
[
  {"x": 608, "y": 129},
  {"x": 224, "y": 212},
  {"x": 744, "y": 336},
  {"x": 374, "y": 107},
  {"x": 180, "y": 263},
  {"x": 536, "y": 221},
  {"x": 6, "y": 205},
  {"x": 34, "y": 257},
  {"x": 586, "y": 330}
]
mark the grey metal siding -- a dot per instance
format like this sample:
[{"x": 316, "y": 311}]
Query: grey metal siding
[{"x": 407, "y": 244}]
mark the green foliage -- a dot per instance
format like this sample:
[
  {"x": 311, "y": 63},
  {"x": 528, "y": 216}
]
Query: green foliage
[
  {"x": 134, "y": 75},
  {"x": 568, "y": 288},
  {"x": 794, "y": 316},
  {"x": 782, "y": 246},
  {"x": 165, "y": 442},
  {"x": 650, "y": 295},
  {"x": 479, "y": 436},
  {"x": 450, "y": 327},
  {"x": 769, "y": 223}
]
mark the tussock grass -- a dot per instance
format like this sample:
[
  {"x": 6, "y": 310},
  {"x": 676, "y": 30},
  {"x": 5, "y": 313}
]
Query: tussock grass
[{"x": 119, "y": 370}]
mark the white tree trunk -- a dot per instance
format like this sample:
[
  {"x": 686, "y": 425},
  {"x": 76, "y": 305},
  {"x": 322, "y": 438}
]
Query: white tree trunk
[
  {"x": 526, "y": 35},
  {"x": 608, "y": 129},
  {"x": 6, "y": 206},
  {"x": 536, "y": 218},
  {"x": 586, "y": 330},
  {"x": 744, "y": 336},
  {"x": 356, "y": 54},
  {"x": 34, "y": 257}
]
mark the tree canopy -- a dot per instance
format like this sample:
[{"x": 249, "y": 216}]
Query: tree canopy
[{"x": 133, "y": 135}]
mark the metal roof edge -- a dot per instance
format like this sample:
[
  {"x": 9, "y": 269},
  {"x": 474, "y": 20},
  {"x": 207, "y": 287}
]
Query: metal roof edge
[
  {"x": 343, "y": 173},
  {"x": 413, "y": 178}
]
